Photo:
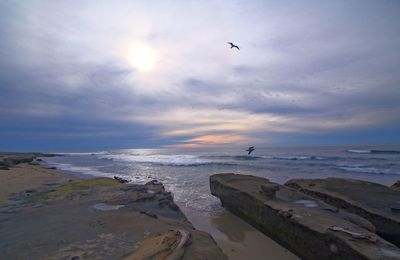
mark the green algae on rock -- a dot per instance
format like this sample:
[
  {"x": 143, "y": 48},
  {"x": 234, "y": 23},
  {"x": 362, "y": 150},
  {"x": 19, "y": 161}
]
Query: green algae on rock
[
  {"x": 70, "y": 218},
  {"x": 73, "y": 189}
]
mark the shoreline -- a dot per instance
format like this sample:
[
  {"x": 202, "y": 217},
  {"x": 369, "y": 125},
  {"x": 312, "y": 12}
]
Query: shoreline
[
  {"x": 45, "y": 213},
  {"x": 29, "y": 186},
  {"x": 225, "y": 228}
]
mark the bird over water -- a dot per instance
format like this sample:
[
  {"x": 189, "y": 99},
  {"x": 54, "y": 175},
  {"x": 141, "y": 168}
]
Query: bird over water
[
  {"x": 250, "y": 149},
  {"x": 233, "y": 45}
]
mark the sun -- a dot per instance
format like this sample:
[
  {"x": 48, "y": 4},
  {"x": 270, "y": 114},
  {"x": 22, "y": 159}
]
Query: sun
[{"x": 142, "y": 57}]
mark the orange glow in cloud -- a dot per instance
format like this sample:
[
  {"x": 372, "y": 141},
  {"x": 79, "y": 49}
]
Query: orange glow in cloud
[
  {"x": 192, "y": 145},
  {"x": 206, "y": 140},
  {"x": 217, "y": 139}
]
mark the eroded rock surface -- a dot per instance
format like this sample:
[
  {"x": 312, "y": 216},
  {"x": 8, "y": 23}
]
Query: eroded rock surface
[
  {"x": 11, "y": 159},
  {"x": 307, "y": 226},
  {"x": 375, "y": 202},
  {"x": 97, "y": 218},
  {"x": 396, "y": 185}
]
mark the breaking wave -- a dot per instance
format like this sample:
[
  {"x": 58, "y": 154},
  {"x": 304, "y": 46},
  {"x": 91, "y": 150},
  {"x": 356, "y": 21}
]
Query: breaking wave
[
  {"x": 81, "y": 170},
  {"x": 295, "y": 158},
  {"x": 360, "y": 168},
  {"x": 245, "y": 157},
  {"x": 166, "y": 160},
  {"x": 84, "y": 154},
  {"x": 373, "y": 151},
  {"x": 193, "y": 160}
]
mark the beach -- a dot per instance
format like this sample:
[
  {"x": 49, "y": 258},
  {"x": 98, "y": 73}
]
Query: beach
[
  {"x": 40, "y": 191},
  {"x": 186, "y": 172},
  {"x": 236, "y": 238},
  {"x": 45, "y": 214}
]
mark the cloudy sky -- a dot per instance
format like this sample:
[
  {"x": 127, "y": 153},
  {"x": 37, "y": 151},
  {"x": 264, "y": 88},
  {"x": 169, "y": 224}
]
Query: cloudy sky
[{"x": 130, "y": 74}]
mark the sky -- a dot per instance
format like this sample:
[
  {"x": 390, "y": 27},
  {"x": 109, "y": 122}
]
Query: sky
[{"x": 90, "y": 75}]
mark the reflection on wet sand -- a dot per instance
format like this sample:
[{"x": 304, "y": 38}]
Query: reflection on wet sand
[
  {"x": 235, "y": 237},
  {"x": 227, "y": 224}
]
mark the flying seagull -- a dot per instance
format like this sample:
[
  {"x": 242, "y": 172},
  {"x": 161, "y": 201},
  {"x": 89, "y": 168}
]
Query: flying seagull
[
  {"x": 233, "y": 46},
  {"x": 250, "y": 149}
]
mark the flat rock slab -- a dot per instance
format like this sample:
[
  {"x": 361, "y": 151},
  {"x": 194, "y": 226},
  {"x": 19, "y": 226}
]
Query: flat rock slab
[
  {"x": 307, "y": 226},
  {"x": 100, "y": 219},
  {"x": 375, "y": 202}
]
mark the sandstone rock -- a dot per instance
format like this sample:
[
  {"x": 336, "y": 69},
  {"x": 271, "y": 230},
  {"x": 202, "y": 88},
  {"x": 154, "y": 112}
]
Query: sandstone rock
[
  {"x": 121, "y": 180},
  {"x": 97, "y": 225},
  {"x": 269, "y": 189},
  {"x": 11, "y": 159},
  {"x": 396, "y": 185},
  {"x": 298, "y": 221},
  {"x": 148, "y": 213},
  {"x": 375, "y": 202},
  {"x": 168, "y": 245},
  {"x": 34, "y": 163}
]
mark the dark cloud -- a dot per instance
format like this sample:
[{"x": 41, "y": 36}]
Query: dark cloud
[{"x": 304, "y": 67}]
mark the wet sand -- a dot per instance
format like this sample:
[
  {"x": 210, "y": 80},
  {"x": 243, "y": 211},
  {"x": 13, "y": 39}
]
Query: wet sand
[{"x": 237, "y": 239}]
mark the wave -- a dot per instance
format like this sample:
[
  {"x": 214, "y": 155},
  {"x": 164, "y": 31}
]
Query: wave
[
  {"x": 166, "y": 160},
  {"x": 295, "y": 158},
  {"x": 246, "y": 157},
  {"x": 360, "y": 168},
  {"x": 235, "y": 157},
  {"x": 81, "y": 170},
  {"x": 373, "y": 151},
  {"x": 385, "y": 151},
  {"x": 358, "y": 151},
  {"x": 193, "y": 160},
  {"x": 82, "y": 154}
]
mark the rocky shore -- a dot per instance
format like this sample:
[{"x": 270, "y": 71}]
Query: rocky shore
[
  {"x": 8, "y": 160},
  {"x": 49, "y": 215},
  {"x": 45, "y": 214},
  {"x": 310, "y": 225},
  {"x": 375, "y": 202}
]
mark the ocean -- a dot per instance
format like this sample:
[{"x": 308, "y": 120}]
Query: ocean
[{"x": 186, "y": 172}]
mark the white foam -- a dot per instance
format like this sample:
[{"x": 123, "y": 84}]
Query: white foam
[
  {"x": 82, "y": 154},
  {"x": 295, "y": 157},
  {"x": 79, "y": 169},
  {"x": 173, "y": 160},
  {"x": 363, "y": 169},
  {"x": 358, "y": 151}
]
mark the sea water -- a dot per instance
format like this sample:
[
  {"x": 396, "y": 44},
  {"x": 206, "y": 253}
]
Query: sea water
[{"x": 186, "y": 174}]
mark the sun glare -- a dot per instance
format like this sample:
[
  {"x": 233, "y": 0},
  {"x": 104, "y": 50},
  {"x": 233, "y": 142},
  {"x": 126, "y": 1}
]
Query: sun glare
[{"x": 142, "y": 57}]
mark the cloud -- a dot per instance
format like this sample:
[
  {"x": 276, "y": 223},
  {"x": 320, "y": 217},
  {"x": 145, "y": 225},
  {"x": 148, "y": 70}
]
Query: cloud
[
  {"x": 304, "y": 67},
  {"x": 220, "y": 139}
]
